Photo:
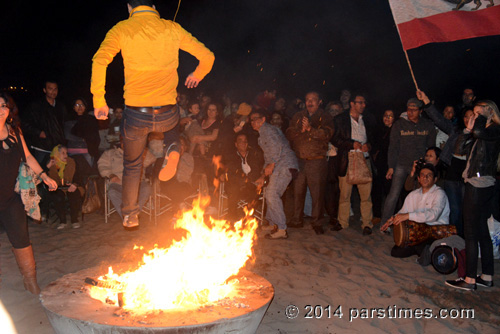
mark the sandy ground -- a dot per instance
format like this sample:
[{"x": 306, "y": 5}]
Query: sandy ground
[{"x": 341, "y": 275}]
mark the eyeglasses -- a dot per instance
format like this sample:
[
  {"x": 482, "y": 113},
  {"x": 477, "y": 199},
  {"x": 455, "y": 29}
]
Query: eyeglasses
[
  {"x": 427, "y": 176},
  {"x": 388, "y": 116},
  {"x": 4, "y": 106},
  {"x": 412, "y": 109},
  {"x": 79, "y": 105},
  {"x": 255, "y": 119}
]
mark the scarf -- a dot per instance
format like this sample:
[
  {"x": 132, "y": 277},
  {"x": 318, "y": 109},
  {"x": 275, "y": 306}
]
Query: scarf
[{"x": 61, "y": 165}]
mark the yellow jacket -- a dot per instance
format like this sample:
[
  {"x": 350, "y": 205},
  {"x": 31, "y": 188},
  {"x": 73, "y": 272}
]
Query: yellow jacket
[{"x": 150, "y": 50}]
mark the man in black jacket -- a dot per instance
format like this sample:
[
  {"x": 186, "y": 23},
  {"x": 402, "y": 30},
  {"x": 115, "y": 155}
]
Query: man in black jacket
[
  {"x": 43, "y": 124},
  {"x": 353, "y": 131},
  {"x": 244, "y": 167}
]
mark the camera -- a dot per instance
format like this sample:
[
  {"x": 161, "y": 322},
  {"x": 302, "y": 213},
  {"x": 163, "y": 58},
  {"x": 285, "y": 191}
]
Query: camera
[{"x": 420, "y": 163}]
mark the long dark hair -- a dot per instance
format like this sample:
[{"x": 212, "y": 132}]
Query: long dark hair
[{"x": 13, "y": 118}]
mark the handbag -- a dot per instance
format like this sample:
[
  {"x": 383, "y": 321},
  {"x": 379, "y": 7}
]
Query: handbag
[
  {"x": 357, "y": 170},
  {"x": 91, "y": 201},
  {"x": 26, "y": 185}
]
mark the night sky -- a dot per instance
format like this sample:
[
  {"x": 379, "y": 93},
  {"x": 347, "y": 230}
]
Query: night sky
[{"x": 293, "y": 46}]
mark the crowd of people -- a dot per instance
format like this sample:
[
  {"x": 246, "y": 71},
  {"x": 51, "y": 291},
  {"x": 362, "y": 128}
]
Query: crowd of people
[
  {"x": 298, "y": 148},
  {"x": 430, "y": 166}
]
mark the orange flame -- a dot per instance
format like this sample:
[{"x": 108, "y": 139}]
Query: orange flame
[{"x": 190, "y": 273}]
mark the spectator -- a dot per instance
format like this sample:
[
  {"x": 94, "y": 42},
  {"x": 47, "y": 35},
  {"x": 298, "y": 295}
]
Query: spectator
[
  {"x": 12, "y": 213},
  {"x": 309, "y": 133},
  {"x": 43, "y": 123},
  {"x": 431, "y": 157},
  {"x": 65, "y": 172},
  {"x": 354, "y": 131},
  {"x": 115, "y": 123},
  {"x": 244, "y": 167},
  {"x": 110, "y": 166},
  {"x": 381, "y": 185},
  {"x": 83, "y": 133},
  {"x": 280, "y": 165},
  {"x": 453, "y": 182},
  {"x": 409, "y": 139},
  {"x": 426, "y": 205},
  {"x": 210, "y": 126},
  {"x": 481, "y": 143}
]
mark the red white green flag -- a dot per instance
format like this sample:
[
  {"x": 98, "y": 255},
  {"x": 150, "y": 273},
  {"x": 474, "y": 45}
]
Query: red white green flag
[{"x": 429, "y": 21}]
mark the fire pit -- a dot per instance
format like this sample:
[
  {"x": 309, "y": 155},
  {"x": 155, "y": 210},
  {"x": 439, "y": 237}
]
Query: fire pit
[
  {"x": 196, "y": 285},
  {"x": 70, "y": 309}
]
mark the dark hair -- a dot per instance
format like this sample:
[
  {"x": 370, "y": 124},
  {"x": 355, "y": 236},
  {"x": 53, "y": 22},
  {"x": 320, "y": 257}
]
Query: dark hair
[
  {"x": 49, "y": 81},
  {"x": 429, "y": 167},
  {"x": 239, "y": 134},
  {"x": 436, "y": 150},
  {"x": 135, "y": 3},
  {"x": 315, "y": 92},
  {"x": 355, "y": 94},
  {"x": 83, "y": 101},
  {"x": 259, "y": 111},
  {"x": 13, "y": 118}
]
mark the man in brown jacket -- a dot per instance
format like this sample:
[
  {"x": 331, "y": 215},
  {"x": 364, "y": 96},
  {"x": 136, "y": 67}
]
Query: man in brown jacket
[{"x": 309, "y": 133}]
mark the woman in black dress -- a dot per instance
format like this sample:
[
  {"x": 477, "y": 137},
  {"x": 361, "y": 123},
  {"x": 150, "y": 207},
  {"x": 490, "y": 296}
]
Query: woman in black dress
[{"x": 12, "y": 213}]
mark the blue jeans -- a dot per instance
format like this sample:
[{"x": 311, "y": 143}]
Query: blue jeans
[
  {"x": 455, "y": 192},
  {"x": 135, "y": 129},
  {"x": 398, "y": 181},
  {"x": 115, "y": 192},
  {"x": 278, "y": 181}
]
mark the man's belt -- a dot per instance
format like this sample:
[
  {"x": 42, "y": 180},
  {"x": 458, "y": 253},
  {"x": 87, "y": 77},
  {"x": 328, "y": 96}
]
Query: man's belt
[{"x": 152, "y": 110}]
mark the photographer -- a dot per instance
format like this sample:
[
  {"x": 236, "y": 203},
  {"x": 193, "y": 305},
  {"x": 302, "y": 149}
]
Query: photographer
[{"x": 431, "y": 157}]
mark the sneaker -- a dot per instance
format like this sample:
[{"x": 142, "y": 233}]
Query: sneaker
[
  {"x": 130, "y": 221},
  {"x": 460, "y": 283},
  {"x": 169, "y": 167},
  {"x": 367, "y": 230},
  {"x": 269, "y": 228},
  {"x": 61, "y": 226},
  {"x": 75, "y": 225},
  {"x": 482, "y": 282},
  {"x": 279, "y": 234}
]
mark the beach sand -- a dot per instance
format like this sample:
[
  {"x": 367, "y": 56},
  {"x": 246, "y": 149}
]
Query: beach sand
[{"x": 340, "y": 275}]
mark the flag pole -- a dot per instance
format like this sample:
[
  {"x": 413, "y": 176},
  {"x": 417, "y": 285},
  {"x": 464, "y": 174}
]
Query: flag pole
[{"x": 409, "y": 65}]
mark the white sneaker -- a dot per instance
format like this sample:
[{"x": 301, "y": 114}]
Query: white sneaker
[
  {"x": 279, "y": 234},
  {"x": 76, "y": 225},
  {"x": 61, "y": 226}
]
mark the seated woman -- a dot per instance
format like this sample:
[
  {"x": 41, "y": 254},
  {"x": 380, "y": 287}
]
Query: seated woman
[
  {"x": 427, "y": 205},
  {"x": 64, "y": 171},
  {"x": 210, "y": 126}
]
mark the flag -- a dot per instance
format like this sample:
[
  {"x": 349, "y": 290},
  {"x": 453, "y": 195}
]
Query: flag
[{"x": 429, "y": 21}]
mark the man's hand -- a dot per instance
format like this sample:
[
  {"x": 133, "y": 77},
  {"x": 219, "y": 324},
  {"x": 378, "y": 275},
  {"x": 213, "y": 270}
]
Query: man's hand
[
  {"x": 268, "y": 170},
  {"x": 192, "y": 81},
  {"x": 365, "y": 148},
  {"x": 306, "y": 126},
  {"x": 414, "y": 168},
  {"x": 101, "y": 113},
  {"x": 390, "y": 171},
  {"x": 259, "y": 183},
  {"x": 422, "y": 97},
  {"x": 400, "y": 217},
  {"x": 387, "y": 224},
  {"x": 72, "y": 188}
]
